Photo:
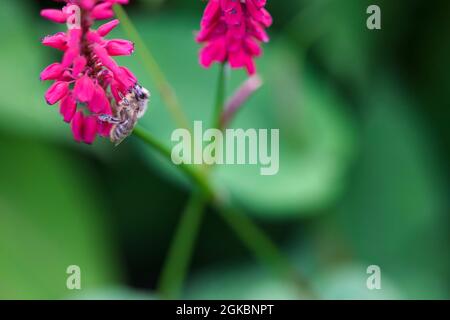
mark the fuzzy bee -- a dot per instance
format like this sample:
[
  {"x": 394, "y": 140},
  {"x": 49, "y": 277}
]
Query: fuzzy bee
[{"x": 130, "y": 109}]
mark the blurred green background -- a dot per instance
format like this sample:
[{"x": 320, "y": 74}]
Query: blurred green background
[{"x": 364, "y": 175}]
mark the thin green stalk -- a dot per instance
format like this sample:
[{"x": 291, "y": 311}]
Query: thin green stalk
[
  {"x": 220, "y": 97},
  {"x": 262, "y": 246},
  {"x": 167, "y": 93},
  {"x": 180, "y": 253},
  {"x": 175, "y": 268},
  {"x": 195, "y": 175}
]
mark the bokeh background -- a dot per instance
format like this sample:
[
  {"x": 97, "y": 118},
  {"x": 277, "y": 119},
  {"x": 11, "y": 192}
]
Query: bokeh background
[{"x": 364, "y": 176}]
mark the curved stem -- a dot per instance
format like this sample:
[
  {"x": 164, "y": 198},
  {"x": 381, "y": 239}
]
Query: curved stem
[
  {"x": 167, "y": 93},
  {"x": 195, "y": 175},
  {"x": 262, "y": 246},
  {"x": 180, "y": 253}
]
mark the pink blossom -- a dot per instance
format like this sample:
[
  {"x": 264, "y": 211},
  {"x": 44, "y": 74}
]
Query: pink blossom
[
  {"x": 87, "y": 80},
  {"x": 232, "y": 31},
  {"x": 56, "y": 92}
]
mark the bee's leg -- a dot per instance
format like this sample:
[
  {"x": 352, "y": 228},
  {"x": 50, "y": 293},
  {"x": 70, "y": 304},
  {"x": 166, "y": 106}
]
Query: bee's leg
[{"x": 108, "y": 118}]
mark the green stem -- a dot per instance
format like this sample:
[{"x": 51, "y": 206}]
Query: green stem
[
  {"x": 167, "y": 93},
  {"x": 180, "y": 253},
  {"x": 195, "y": 175},
  {"x": 264, "y": 249},
  {"x": 220, "y": 98}
]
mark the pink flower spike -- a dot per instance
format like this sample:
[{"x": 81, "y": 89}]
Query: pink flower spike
[
  {"x": 84, "y": 89},
  {"x": 54, "y": 15},
  {"x": 231, "y": 31},
  {"x": 56, "y": 92},
  {"x": 88, "y": 82}
]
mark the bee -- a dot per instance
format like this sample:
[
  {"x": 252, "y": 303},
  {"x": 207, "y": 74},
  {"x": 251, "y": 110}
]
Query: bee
[{"x": 126, "y": 113}]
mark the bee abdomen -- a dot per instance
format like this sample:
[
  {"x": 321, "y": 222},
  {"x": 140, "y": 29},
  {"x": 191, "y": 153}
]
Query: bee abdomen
[{"x": 121, "y": 131}]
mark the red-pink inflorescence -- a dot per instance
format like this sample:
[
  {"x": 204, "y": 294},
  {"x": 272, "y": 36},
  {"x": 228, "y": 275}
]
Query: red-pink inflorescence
[
  {"x": 232, "y": 31},
  {"x": 87, "y": 80}
]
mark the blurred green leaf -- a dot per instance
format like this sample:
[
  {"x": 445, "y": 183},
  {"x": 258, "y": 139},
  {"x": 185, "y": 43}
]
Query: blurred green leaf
[
  {"x": 242, "y": 282},
  {"x": 22, "y": 105},
  {"x": 49, "y": 219},
  {"x": 115, "y": 293},
  {"x": 348, "y": 282},
  {"x": 394, "y": 214}
]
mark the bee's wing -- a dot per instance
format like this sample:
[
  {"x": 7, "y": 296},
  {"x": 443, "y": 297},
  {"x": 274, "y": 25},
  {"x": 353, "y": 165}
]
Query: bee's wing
[
  {"x": 143, "y": 106},
  {"x": 117, "y": 143}
]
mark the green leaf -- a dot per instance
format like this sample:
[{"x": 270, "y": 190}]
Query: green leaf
[
  {"x": 49, "y": 219},
  {"x": 394, "y": 213},
  {"x": 245, "y": 282},
  {"x": 22, "y": 105},
  {"x": 349, "y": 282},
  {"x": 115, "y": 293}
]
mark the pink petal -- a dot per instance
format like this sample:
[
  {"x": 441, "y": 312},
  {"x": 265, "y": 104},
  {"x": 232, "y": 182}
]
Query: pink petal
[
  {"x": 68, "y": 108},
  {"x": 56, "y": 92},
  {"x": 102, "y": 11},
  {"x": 116, "y": 90},
  {"x": 54, "y": 15},
  {"x": 120, "y": 47},
  {"x": 52, "y": 72},
  {"x": 84, "y": 89},
  {"x": 89, "y": 129},
  {"x": 94, "y": 38},
  {"x": 214, "y": 51},
  {"x": 78, "y": 66},
  {"x": 107, "y": 27},
  {"x": 105, "y": 59},
  {"x": 104, "y": 129},
  {"x": 57, "y": 41},
  {"x": 125, "y": 78},
  {"x": 77, "y": 126},
  {"x": 99, "y": 102},
  {"x": 87, "y": 4}
]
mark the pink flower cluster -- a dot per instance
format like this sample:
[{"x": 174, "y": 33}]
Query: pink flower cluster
[
  {"x": 232, "y": 31},
  {"x": 87, "y": 80}
]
